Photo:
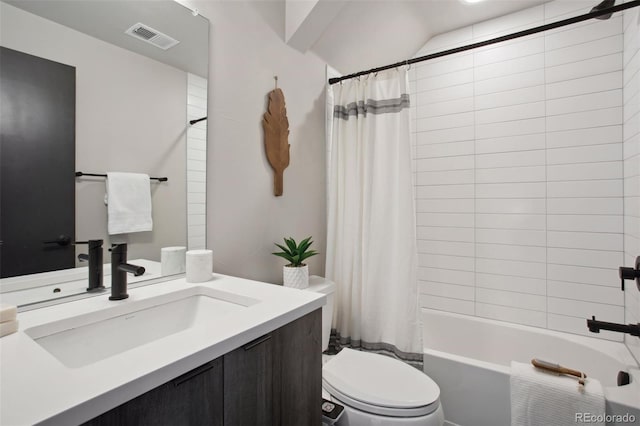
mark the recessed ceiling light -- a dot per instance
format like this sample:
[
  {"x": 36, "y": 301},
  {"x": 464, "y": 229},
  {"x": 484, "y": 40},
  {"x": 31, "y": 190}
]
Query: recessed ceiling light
[{"x": 471, "y": 1}]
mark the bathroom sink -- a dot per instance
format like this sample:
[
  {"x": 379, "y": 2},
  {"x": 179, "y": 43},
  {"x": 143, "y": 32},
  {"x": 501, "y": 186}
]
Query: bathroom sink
[{"x": 85, "y": 339}]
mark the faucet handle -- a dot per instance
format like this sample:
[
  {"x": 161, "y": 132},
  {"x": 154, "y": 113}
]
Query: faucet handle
[
  {"x": 627, "y": 273},
  {"x": 118, "y": 247}
]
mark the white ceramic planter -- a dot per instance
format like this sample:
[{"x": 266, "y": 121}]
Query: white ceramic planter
[{"x": 296, "y": 277}]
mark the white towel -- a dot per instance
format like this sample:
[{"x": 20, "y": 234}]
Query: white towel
[
  {"x": 128, "y": 203},
  {"x": 539, "y": 398}
]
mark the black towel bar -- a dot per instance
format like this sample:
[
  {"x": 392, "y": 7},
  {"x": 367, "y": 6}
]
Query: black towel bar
[
  {"x": 192, "y": 122},
  {"x": 160, "y": 179}
]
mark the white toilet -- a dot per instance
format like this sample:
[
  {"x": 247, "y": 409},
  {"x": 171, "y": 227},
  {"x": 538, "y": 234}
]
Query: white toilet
[{"x": 374, "y": 389}]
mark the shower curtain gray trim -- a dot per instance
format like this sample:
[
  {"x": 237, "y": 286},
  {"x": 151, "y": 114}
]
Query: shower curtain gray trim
[
  {"x": 371, "y": 106},
  {"x": 338, "y": 342}
]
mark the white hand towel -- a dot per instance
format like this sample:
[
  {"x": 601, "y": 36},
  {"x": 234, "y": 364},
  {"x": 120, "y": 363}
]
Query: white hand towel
[
  {"x": 539, "y": 398},
  {"x": 128, "y": 203}
]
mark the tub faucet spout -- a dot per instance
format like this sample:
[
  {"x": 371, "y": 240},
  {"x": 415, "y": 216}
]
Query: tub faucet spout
[{"x": 595, "y": 326}]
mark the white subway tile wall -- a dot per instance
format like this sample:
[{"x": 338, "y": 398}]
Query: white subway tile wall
[
  {"x": 196, "y": 162},
  {"x": 519, "y": 177},
  {"x": 631, "y": 155}
]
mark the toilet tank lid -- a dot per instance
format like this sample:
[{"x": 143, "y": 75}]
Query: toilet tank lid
[
  {"x": 379, "y": 380},
  {"x": 321, "y": 285}
]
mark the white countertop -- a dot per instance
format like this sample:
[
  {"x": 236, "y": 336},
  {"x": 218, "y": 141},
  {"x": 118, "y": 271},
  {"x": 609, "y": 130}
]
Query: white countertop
[{"x": 36, "y": 388}]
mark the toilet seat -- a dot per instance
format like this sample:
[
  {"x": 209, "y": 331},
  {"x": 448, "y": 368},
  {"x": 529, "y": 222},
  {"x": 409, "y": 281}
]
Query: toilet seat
[
  {"x": 379, "y": 384},
  {"x": 339, "y": 397}
]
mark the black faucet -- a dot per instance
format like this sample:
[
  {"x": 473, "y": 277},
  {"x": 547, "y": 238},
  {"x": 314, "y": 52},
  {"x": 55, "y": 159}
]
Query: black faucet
[
  {"x": 119, "y": 269},
  {"x": 595, "y": 326},
  {"x": 95, "y": 264}
]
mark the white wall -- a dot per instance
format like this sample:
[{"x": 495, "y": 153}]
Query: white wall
[
  {"x": 295, "y": 13},
  {"x": 196, "y": 163},
  {"x": 130, "y": 116},
  {"x": 244, "y": 218},
  {"x": 632, "y": 167},
  {"x": 519, "y": 177}
]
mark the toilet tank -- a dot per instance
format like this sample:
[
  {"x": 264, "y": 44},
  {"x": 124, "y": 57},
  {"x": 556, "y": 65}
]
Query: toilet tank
[{"x": 322, "y": 285}]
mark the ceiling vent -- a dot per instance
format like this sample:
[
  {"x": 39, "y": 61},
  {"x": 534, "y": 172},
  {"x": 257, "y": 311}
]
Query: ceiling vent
[{"x": 146, "y": 33}]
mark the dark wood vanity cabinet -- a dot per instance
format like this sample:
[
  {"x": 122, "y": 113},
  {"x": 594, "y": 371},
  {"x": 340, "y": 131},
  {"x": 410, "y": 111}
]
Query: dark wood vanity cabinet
[{"x": 273, "y": 380}]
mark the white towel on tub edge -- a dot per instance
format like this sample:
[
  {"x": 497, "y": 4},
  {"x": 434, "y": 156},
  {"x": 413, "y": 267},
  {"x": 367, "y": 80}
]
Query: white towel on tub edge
[{"x": 539, "y": 398}]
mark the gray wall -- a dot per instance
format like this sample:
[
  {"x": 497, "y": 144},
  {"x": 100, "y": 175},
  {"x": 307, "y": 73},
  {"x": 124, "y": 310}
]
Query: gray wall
[
  {"x": 130, "y": 116},
  {"x": 244, "y": 219}
]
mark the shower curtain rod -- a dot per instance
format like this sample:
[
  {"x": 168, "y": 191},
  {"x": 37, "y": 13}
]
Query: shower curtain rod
[{"x": 535, "y": 30}]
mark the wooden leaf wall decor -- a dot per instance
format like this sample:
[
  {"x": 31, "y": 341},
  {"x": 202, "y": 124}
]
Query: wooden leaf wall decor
[{"x": 276, "y": 135}]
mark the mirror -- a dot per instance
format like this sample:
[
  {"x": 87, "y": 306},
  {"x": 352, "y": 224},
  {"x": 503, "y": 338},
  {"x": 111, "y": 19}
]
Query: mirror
[{"x": 133, "y": 104}]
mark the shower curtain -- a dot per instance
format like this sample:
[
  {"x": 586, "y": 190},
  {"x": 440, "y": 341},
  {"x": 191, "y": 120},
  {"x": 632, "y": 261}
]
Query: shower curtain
[{"x": 371, "y": 241}]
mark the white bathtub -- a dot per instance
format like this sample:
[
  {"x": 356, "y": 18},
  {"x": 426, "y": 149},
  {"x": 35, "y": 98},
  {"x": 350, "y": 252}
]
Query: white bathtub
[{"x": 470, "y": 357}]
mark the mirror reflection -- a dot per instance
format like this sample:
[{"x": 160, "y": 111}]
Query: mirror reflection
[{"x": 98, "y": 87}]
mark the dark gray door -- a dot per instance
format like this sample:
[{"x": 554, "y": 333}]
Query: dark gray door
[
  {"x": 37, "y": 162},
  {"x": 248, "y": 384}
]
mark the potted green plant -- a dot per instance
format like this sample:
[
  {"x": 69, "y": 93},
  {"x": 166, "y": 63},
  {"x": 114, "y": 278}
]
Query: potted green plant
[{"x": 296, "y": 273}]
